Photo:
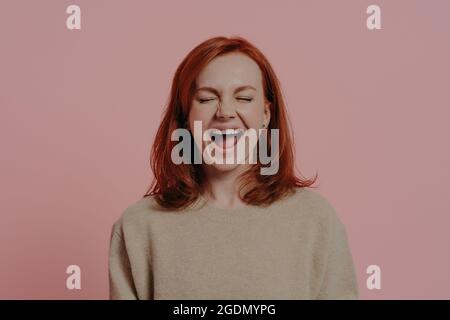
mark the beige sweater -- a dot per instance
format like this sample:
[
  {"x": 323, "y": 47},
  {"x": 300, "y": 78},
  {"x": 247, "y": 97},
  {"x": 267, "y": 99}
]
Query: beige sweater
[{"x": 297, "y": 248}]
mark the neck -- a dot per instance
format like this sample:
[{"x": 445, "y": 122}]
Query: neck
[{"x": 223, "y": 188}]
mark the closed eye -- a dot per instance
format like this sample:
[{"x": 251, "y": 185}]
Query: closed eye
[{"x": 206, "y": 100}]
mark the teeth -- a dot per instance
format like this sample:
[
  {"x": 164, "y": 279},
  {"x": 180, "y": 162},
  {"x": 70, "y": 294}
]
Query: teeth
[{"x": 231, "y": 132}]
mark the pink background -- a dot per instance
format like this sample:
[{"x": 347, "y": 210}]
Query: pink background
[{"x": 79, "y": 110}]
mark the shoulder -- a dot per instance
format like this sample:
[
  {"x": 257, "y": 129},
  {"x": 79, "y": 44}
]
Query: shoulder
[
  {"x": 136, "y": 214},
  {"x": 309, "y": 204}
]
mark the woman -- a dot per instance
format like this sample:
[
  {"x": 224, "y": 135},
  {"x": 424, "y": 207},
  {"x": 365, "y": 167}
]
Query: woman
[{"x": 225, "y": 230}]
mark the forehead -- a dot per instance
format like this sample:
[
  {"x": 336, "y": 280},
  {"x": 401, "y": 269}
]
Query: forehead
[{"x": 230, "y": 69}]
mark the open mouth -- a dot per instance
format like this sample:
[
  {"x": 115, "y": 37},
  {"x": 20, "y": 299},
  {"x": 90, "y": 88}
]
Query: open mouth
[{"x": 226, "y": 139}]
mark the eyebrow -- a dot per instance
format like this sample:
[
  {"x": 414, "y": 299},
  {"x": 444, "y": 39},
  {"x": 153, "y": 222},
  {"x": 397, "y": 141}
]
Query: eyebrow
[{"x": 216, "y": 92}]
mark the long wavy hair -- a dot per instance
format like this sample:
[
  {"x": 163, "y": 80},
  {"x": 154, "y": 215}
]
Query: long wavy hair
[{"x": 176, "y": 186}]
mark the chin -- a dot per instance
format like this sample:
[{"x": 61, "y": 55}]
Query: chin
[{"x": 224, "y": 167}]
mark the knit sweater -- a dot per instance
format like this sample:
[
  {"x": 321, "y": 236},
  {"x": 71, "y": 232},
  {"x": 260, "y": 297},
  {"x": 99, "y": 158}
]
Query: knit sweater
[{"x": 296, "y": 248}]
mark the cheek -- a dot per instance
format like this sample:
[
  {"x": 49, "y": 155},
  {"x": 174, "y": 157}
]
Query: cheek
[
  {"x": 200, "y": 113},
  {"x": 252, "y": 114}
]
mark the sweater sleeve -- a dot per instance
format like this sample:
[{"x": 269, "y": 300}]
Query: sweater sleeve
[
  {"x": 121, "y": 285},
  {"x": 339, "y": 280}
]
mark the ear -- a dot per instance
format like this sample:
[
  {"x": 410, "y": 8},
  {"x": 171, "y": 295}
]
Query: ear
[{"x": 266, "y": 117}]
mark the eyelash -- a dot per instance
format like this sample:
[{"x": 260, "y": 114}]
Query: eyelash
[{"x": 207, "y": 100}]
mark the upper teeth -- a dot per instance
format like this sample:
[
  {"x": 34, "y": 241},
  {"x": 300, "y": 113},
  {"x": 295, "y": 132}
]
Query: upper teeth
[{"x": 228, "y": 131}]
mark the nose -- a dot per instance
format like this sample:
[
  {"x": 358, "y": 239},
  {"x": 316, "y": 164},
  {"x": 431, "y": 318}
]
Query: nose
[{"x": 225, "y": 110}]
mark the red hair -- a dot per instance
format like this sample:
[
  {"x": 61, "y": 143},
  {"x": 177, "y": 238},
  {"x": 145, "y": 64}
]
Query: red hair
[{"x": 177, "y": 186}]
